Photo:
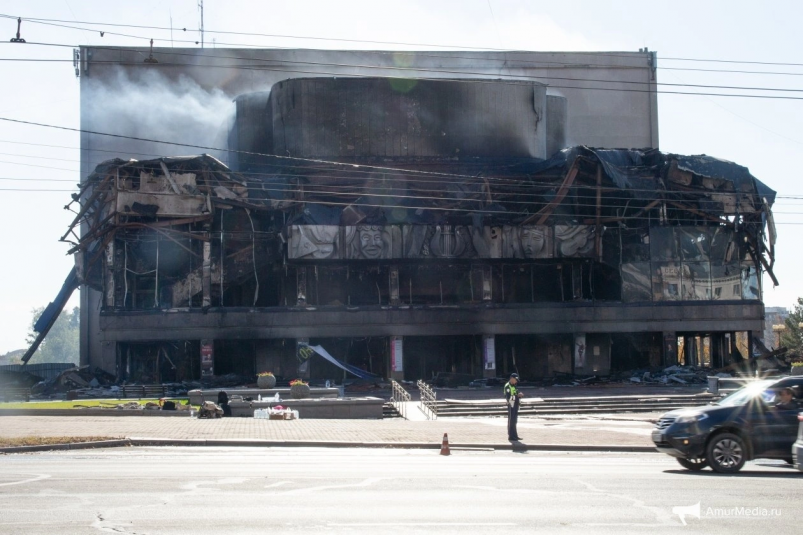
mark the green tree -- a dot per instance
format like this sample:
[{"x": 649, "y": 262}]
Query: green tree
[
  {"x": 792, "y": 337},
  {"x": 62, "y": 342},
  {"x": 12, "y": 357}
]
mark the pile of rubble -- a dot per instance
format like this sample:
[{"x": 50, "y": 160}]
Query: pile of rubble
[
  {"x": 78, "y": 378},
  {"x": 12, "y": 379},
  {"x": 672, "y": 375},
  {"x": 137, "y": 406},
  {"x": 87, "y": 382}
]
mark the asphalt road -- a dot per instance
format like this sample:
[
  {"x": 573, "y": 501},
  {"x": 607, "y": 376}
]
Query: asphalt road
[{"x": 301, "y": 490}]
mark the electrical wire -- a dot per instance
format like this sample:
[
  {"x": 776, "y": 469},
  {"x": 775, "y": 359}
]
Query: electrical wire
[
  {"x": 689, "y": 220},
  {"x": 429, "y": 70},
  {"x": 543, "y": 66},
  {"x": 445, "y": 71},
  {"x": 347, "y": 166},
  {"x": 365, "y": 41},
  {"x": 342, "y": 165}
]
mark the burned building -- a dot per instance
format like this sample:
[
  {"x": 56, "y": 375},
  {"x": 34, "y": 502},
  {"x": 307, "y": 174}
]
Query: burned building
[
  {"x": 412, "y": 226},
  {"x": 416, "y": 230}
]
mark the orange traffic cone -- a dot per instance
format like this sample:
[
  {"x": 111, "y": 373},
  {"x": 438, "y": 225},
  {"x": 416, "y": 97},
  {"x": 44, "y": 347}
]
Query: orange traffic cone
[{"x": 445, "y": 445}]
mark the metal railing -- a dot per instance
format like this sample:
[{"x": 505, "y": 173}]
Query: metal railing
[
  {"x": 399, "y": 398},
  {"x": 428, "y": 402}
]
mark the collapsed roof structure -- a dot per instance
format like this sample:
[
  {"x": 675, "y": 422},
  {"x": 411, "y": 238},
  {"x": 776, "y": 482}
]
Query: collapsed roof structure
[{"x": 604, "y": 192}]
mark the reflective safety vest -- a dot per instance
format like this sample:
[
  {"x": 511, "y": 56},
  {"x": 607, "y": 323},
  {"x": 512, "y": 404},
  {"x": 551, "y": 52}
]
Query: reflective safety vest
[{"x": 510, "y": 394}]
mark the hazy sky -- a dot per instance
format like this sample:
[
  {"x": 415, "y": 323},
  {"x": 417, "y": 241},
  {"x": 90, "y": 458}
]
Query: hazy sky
[{"x": 761, "y": 134}]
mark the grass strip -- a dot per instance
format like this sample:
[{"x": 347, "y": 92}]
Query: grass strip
[
  {"x": 78, "y": 404},
  {"x": 8, "y": 442}
]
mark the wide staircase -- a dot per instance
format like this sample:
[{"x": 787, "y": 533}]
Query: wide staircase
[{"x": 574, "y": 405}]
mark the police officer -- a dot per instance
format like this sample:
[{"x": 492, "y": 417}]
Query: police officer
[{"x": 513, "y": 398}]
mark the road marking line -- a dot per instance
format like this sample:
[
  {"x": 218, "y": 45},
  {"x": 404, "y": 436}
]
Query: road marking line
[
  {"x": 38, "y": 478},
  {"x": 365, "y": 483},
  {"x": 387, "y": 524}
]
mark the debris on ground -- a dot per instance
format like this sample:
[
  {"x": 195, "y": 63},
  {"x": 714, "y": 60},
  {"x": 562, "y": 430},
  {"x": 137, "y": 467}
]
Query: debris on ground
[
  {"x": 12, "y": 379},
  {"x": 210, "y": 409}
]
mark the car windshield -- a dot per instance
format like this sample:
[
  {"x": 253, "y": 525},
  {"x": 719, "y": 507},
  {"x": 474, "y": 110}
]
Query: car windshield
[{"x": 746, "y": 393}]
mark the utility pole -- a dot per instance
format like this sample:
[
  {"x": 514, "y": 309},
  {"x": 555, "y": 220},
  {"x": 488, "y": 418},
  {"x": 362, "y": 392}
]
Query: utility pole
[{"x": 201, "y": 7}]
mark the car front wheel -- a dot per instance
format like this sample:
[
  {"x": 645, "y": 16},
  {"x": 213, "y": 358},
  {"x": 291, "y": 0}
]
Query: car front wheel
[
  {"x": 726, "y": 453},
  {"x": 693, "y": 464}
]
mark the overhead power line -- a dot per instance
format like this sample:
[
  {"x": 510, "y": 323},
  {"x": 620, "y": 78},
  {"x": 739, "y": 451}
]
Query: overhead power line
[
  {"x": 417, "y": 69},
  {"x": 70, "y": 24},
  {"x": 351, "y": 167},
  {"x": 477, "y": 180},
  {"x": 486, "y": 79},
  {"x": 727, "y": 71},
  {"x": 689, "y": 220}
]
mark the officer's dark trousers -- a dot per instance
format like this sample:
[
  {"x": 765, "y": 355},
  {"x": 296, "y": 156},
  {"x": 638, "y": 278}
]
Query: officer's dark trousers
[{"x": 512, "y": 420}]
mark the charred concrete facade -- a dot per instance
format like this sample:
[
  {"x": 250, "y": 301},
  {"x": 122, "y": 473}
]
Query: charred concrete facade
[{"x": 414, "y": 225}]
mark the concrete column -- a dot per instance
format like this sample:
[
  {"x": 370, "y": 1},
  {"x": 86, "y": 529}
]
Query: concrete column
[
  {"x": 751, "y": 349},
  {"x": 397, "y": 358},
  {"x": 487, "y": 285},
  {"x": 206, "y": 274},
  {"x": 110, "y": 282},
  {"x": 301, "y": 285},
  {"x": 394, "y": 285},
  {"x": 488, "y": 355},
  {"x": 108, "y": 357},
  {"x": 579, "y": 353},
  {"x": 670, "y": 348},
  {"x": 717, "y": 343}
]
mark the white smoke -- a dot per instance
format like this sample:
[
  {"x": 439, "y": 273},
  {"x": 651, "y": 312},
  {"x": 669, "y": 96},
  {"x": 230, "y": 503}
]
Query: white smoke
[{"x": 152, "y": 106}]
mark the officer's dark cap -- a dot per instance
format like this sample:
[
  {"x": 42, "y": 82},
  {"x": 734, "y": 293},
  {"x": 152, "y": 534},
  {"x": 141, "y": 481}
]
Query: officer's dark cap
[{"x": 514, "y": 375}]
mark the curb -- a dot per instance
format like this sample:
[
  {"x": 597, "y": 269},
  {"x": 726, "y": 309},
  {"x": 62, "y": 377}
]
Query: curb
[
  {"x": 68, "y": 446},
  {"x": 256, "y": 443},
  {"x": 93, "y": 412}
]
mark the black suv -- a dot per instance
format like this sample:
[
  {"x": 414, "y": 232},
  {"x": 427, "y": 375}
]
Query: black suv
[{"x": 741, "y": 426}]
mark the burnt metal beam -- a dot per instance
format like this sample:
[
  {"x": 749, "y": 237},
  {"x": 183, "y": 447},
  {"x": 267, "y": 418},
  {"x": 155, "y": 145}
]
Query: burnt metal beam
[
  {"x": 700, "y": 213},
  {"x": 544, "y": 213},
  {"x": 52, "y": 312}
]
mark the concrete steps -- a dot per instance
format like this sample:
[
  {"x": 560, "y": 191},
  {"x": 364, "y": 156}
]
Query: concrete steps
[
  {"x": 389, "y": 411},
  {"x": 580, "y": 405},
  {"x": 613, "y": 404}
]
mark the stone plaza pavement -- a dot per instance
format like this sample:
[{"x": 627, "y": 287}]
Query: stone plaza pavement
[{"x": 597, "y": 432}]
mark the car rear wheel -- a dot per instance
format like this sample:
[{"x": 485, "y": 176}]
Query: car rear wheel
[
  {"x": 693, "y": 464},
  {"x": 726, "y": 453}
]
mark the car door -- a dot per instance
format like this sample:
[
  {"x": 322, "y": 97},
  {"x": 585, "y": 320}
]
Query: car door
[
  {"x": 783, "y": 431},
  {"x": 774, "y": 430},
  {"x": 760, "y": 423}
]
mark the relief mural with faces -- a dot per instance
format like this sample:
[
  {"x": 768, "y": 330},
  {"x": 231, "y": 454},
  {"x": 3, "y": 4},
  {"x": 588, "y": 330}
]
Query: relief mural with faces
[
  {"x": 372, "y": 242},
  {"x": 673, "y": 263},
  {"x": 443, "y": 241},
  {"x": 376, "y": 242},
  {"x": 313, "y": 242},
  {"x": 528, "y": 241},
  {"x": 574, "y": 241}
]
